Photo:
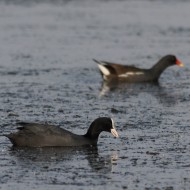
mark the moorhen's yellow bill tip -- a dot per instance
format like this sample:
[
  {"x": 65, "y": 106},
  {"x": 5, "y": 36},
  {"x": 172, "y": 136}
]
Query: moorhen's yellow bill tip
[{"x": 179, "y": 63}]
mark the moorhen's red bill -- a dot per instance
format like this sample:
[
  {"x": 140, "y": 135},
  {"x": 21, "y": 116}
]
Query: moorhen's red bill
[{"x": 113, "y": 71}]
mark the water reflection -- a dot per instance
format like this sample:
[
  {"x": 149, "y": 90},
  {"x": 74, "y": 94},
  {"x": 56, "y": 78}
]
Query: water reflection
[
  {"x": 130, "y": 88},
  {"x": 63, "y": 157},
  {"x": 162, "y": 94}
]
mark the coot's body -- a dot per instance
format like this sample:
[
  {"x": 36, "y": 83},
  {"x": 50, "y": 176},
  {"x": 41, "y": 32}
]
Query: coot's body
[{"x": 44, "y": 135}]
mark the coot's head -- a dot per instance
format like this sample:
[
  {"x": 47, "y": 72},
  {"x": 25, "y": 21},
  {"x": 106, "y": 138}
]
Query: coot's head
[
  {"x": 172, "y": 60},
  {"x": 101, "y": 124}
]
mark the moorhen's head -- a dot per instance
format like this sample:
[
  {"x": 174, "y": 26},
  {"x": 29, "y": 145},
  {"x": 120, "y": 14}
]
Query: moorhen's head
[
  {"x": 99, "y": 125},
  {"x": 163, "y": 63},
  {"x": 171, "y": 60}
]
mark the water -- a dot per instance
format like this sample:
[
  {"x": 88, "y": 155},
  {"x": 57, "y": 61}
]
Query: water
[{"x": 47, "y": 75}]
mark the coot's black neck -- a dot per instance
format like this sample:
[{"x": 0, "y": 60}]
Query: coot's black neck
[{"x": 93, "y": 132}]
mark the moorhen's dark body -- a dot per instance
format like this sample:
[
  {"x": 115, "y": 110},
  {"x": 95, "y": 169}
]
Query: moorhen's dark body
[
  {"x": 113, "y": 71},
  {"x": 44, "y": 135}
]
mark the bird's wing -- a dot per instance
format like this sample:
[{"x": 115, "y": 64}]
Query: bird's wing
[
  {"x": 41, "y": 129},
  {"x": 108, "y": 68}
]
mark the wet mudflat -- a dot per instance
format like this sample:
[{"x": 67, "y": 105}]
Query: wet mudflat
[{"x": 47, "y": 75}]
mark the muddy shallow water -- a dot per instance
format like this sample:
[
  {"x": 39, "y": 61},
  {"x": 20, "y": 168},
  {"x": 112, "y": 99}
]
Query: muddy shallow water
[{"x": 47, "y": 75}]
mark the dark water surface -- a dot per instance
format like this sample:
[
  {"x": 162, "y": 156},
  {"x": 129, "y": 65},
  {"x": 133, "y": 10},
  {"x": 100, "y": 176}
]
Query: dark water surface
[{"x": 47, "y": 75}]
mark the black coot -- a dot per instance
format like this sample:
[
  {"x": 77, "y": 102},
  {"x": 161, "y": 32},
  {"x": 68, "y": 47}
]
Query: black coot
[{"x": 44, "y": 135}]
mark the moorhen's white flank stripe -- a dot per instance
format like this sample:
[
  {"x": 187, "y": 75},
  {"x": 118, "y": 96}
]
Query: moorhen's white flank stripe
[{"x": 131, "y": 73}]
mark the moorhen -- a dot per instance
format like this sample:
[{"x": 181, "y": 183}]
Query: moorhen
[{"x": 113, "y": 71}]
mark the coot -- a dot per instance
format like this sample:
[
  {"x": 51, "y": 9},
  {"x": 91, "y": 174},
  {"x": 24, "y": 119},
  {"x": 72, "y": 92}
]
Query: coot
[{"x": 44, "y": 135}]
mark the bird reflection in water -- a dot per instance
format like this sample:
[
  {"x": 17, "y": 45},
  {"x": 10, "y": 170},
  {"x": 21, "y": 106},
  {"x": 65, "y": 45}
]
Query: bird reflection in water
[
  {"x": 162, "y": 94},
  {"x": 64, "y": 158}
]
